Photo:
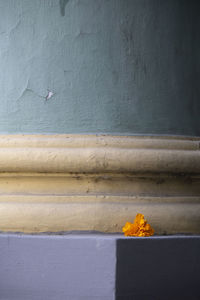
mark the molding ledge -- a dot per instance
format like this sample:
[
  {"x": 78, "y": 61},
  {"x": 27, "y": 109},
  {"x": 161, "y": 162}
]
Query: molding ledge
[{"x": 87, "y": 182}]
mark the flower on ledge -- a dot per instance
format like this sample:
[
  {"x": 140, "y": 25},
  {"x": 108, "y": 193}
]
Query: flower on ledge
[{"x": 140, "y": 227}]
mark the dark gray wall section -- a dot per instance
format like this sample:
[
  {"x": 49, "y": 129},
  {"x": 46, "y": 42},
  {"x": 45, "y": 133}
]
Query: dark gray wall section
[
  {"x": 158, "y": 268},
  {"x": 114, "y": 66},
  {"x": 57, "y": 267}
]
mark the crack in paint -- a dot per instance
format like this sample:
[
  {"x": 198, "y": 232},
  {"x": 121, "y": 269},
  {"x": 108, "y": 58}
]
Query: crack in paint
[
  {"x": 15, "y": 27},
  {"x": 63, "y": 3},
  {"x": 26, "y": 89},
  {"x": 29, "y": 90}
]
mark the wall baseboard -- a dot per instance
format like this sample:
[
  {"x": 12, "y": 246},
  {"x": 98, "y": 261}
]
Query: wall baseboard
[
  {"x": 99, "y": 266},
  {"x": 88, "y": 182}
]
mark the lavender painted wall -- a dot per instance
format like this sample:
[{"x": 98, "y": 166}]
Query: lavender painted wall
[{"x": 71, "y": 267}]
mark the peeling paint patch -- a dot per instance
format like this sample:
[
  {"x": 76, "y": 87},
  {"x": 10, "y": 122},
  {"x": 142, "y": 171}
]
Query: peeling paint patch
[
  {"x": 63, "y": 3},
  {"x": 49, "y": 95}
]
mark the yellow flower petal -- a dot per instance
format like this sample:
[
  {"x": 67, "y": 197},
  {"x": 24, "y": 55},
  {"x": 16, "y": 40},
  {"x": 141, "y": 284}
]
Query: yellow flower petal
[{"x": 140, "y": 227}]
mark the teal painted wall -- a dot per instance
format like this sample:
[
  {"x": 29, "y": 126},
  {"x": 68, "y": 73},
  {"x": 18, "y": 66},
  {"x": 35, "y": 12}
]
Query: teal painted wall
[{"x": 113, "y": 66}]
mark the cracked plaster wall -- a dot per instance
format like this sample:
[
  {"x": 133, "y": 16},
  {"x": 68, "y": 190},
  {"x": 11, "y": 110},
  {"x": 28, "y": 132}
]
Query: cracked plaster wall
[{"x": 109, "y": 66}]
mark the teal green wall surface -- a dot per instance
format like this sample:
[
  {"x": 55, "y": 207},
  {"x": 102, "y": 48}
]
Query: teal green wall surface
[{"x": 100, "y": 66}]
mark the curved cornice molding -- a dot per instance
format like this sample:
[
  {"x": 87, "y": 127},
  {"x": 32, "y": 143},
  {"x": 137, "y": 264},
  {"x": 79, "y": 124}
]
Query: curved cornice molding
[
  {"x": 89, "y": 182},
  {"x": 97, "y": 154}
]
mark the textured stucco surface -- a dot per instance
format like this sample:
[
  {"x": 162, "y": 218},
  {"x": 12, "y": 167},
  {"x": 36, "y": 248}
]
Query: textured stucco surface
[{"x": 113, "y": 66}]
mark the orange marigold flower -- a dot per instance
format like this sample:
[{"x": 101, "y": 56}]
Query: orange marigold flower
[{"x": 140, "y": 227}]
